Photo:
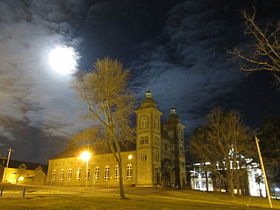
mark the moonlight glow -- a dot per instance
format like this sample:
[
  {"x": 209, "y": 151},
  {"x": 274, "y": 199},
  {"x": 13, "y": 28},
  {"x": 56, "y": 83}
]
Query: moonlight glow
[{"x": 63, "y": 60}]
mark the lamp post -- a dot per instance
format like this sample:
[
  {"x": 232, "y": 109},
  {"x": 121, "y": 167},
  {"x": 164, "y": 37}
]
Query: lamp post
[
  {"x": 86, "y": 156},
  {"x": 263, "y": 170},
  {"x": 7, "y": 164}
]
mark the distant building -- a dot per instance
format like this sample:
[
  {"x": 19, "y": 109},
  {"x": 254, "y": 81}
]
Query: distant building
[
  {"x": 19, "y": 172},
  {"x": 157, "y": 158},
  {"x": 250, "y": 183}
]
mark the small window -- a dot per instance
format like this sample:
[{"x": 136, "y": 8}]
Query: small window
[
  {"x": 144, "y": 122},
  {"x": 157, "y": 157},
  {"x": 143, "y": 156},
  {"x": 78, "y": 174},
  {"x": 96, "y": 173},
  {"x": 129, "y": 171},
  {"x": 117, "y": 173},
  {"x": 107, "y": 173},
  {"x": 61, "y": 175},
  {"x": 171, "y": 134},
  {"x": 69, "y": 175},
  {"x": 156, "y": 141},
  {"x": 146, "y": 141}
]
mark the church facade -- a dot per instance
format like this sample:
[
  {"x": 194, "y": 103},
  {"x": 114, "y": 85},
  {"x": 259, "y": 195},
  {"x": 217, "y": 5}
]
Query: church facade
[{"x": 157, "y": 159}]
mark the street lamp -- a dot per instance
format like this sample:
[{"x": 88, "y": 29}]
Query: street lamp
[{"x": 86, "y": 156}]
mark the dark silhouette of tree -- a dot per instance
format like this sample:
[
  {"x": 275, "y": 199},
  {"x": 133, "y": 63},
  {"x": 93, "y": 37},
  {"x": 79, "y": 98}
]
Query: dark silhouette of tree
[
  {"x": 264, "y": 51},
  {"x": 270, "y": 147},
  {"x": 109, "y": 104}
]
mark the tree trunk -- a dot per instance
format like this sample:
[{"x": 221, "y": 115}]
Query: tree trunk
[
  {"x": 122, "y": 194},
  {"x": 231, "y": 187},
  {"x": 206, "y": 178}
]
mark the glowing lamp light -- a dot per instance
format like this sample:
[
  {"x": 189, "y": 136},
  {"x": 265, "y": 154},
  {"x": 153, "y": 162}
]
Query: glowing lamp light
[
  {"x": 21, "y": 178},
  {"x": 63, "y": 60},
  {"x": 130, "y": 157},
  {"x": 85, "y": 156}
]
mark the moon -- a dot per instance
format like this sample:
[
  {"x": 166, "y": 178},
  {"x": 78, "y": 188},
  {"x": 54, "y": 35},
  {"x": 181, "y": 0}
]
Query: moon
[{"x": 63, "y": 60}]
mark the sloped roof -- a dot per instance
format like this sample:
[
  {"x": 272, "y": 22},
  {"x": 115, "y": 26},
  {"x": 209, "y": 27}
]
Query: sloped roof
[
  {"x": 17, "y": 164},
  {"x": 95, "y": 149}
]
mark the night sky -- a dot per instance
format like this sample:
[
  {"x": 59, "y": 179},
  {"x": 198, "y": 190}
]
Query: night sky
[{"x": 177, "y": 49}]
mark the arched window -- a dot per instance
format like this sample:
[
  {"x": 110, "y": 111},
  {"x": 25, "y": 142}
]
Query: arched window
[
  {"x": 61, "y": 175},
  {"x": 54, "y": 175},
  {"x": 96, "y": 173},
  {"x": 129, "y": 171},
  {"x": 69, "y": 175},
  {"x": 88, "y": 173},
  {"x": 146, "y": 141},
  {"x": 78, "y": 174},
  {"x": 144, "y": 122},
  {"x": 171, "y": 134},
  {"x": 156, "y": 124},
  {"x": 107, "y": 173},
  {"x": 117, "y": 173}
]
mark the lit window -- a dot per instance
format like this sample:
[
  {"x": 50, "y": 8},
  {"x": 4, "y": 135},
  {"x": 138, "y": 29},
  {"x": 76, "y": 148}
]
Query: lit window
[
  {"x": 54, "y": 175},
  {"x": 88, "y": 173},
  {"x": 143, "y": 156},
  {"x": 144, "y": 122},
  {"x": 129, "y": 171},
  {"x": 117, "y": 173},
  {"x": 61, "y": 175},
  {"x": 107, "y": 173},
  {"x": 69, "y": 175},
  {"x": 78, "y": 174},
  {"x": 96, "y": 173}
]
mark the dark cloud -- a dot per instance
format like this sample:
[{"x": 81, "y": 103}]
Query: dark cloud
[
  {"x": 188, "y": 66},
  {"x": 29, "y": 143}
]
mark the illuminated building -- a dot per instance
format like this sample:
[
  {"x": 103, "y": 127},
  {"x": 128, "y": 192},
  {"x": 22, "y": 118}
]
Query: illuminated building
[
  {"x": 157, "y": 158},
  {"x": 19, "y": 172}
]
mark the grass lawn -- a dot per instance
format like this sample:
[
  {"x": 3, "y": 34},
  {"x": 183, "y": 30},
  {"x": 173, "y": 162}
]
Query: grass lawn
[{"x": 138, "y": 198}]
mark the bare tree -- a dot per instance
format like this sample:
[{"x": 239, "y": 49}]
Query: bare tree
[
  {"x": 110, "y": 104},
  {"x": 224, "y": 141},
  {"x": 264, "y": 53}
]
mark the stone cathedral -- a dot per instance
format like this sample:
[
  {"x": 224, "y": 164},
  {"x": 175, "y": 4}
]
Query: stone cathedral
[{"x": 157, "y": 158}]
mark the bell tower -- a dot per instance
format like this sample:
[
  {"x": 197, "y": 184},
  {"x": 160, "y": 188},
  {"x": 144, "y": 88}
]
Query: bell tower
[
  {"x": 148, "y": 143},
  {"x": 175, "y": 130}
]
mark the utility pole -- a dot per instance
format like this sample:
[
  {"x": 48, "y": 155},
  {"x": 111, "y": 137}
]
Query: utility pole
[
  {"x": 263, "y": 170},
  {"x": 7, "y": 164}
]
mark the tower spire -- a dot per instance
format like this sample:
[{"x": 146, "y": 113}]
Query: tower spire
[
  {"x": 149, "y": 94},
  {"x": 172, "y": 110}
]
